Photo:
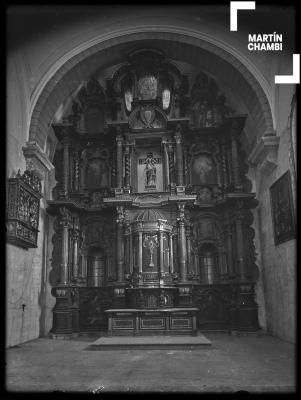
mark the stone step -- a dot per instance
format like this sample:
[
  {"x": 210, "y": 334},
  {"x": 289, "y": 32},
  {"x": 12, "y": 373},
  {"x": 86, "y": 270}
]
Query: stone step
[{"x": 150, "y": 342}]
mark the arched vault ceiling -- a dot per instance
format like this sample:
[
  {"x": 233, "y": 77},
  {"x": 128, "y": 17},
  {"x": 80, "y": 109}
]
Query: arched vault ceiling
[{"x": 204, "y": 55}]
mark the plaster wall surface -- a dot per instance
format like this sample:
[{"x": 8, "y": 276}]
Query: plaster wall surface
[
  {"x": 24, "y": 286},
  {"x": 278, "y": 263}
]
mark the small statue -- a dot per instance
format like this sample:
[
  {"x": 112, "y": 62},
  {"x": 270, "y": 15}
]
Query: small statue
[{"x": 150, "y": 170}]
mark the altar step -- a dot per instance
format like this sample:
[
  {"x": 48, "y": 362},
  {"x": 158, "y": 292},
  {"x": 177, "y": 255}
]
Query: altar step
[{"x": 150, "y": 342}]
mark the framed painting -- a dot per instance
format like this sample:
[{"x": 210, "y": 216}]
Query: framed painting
[{"x": 282, "y": 209}]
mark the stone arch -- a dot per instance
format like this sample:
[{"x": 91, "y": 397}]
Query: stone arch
[{"x": 64, "y": 80}]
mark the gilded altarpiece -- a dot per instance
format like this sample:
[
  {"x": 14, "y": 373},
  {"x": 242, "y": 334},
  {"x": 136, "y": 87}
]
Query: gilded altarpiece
[{"x": 152, "y": 207}]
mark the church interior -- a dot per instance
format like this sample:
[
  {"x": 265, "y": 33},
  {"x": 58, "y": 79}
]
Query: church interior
[{"x": 151, "y": 178}]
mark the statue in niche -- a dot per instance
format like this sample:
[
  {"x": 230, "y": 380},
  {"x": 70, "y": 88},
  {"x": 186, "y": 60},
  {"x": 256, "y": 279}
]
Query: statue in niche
[
  {"x": 151, "y": 242},
  {"x": 209, "y": 119},
  {"x": 204, "y": 170},
  {"x": 150, "y": 170},
  {"x": 202, "y": 114}
]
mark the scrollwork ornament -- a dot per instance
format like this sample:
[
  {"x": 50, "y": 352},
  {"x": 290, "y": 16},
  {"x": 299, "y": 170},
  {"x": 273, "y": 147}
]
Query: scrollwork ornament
[
  {"x": 181, "y": 213},
  {"x": 120, "y": 215}
]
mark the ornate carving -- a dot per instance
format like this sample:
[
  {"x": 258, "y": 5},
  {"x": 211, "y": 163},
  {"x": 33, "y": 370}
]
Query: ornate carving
[
  {"x": 147, "y": 118},
  {"x": 151, "y": 242},
  {"x": 23, "y": 207},
  {"x": 208, "y": 108},
  {"x": 181, "y": 213},
  {"x": 120, "y": 214}
]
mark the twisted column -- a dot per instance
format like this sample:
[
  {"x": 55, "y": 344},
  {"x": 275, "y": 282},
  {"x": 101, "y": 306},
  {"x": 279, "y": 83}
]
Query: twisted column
[
  {"x": 171, "y": 164},
  {"x": 188, "y": 245},
  {"x": 182, "y": 243},
  {"x": 65, "y": 179},
  {"x": 235, "y": 163},
  {"x": 75, "y": 253},
  {"x": 240, "y": 245},
  {"x": 224, "y": 166},
  {"x": 231, "y": 270},
  {"x": 76, "y": 171},
  {"x": 119, "y": 141},
  {"x": 179, "y": 155},
  {"x": 120, "y": 243},
  {"x": 166, "y": 166},
  {"x": 127, "y": 166}
]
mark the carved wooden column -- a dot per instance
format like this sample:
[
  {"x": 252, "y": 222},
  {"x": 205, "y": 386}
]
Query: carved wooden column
[
  {"x": 235, "y": 161},
  {"x": 127, "y": 168},
  {"x": 127, "y": 235},
  {"x": 196, "y": 263},
  {"x": 185, "y": 166},
  {"x": 119, "y": 141},
  {"x": 188, "y": 245},
  {"x": 140, "y": 259},
  {"x": 179, "y": 156},
  {"x": 172, "y": 180},
  {"x": 161, "y": 240},
  {"x": 231, "y": 269},
  {"x": 83, "y": 269},
  {"x": 82, "y": 167},
  {"x": 166, "y": 164},
  {"x": 64, "y": 268},
  {"x": 171, "y": 253},
  {"x": 131, "y": 252},
  {"x": 222, "y": 262},
  {"x": 175, "y": 249},
  {"x": 224, "y": 166},
  {"x": 65, "y": 166},
  {"x": 75, "y": 249},
  {"x": 182, "y": 243},
  {"x": 240, "y": 245},
  {"x": 120, "y": 244},
  {"x": 76, "y": 171}
]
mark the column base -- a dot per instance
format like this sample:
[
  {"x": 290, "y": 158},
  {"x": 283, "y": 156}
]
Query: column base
[
  {"x": 118, "y": 191},
  {"x": 180, "y": 189}
]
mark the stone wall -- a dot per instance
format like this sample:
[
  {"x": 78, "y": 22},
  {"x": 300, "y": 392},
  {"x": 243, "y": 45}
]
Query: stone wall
[
  {"x": 26, "y": 276},
  {"x": 276, "y": 287}
]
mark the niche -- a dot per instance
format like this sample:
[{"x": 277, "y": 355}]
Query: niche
[
  {"x": 208, "y": 257},
  {"x": 96, "y": 267}
]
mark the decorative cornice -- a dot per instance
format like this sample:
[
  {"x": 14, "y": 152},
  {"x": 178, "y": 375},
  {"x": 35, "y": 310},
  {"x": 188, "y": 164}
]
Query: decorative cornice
[
  {"x": 35, "y": 155},
  {"x": 264, "y": 155}
]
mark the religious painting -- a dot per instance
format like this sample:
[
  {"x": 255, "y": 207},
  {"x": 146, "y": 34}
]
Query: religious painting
[
  {"x": 282, "y": 209},
  {"x": 97, "y": 174},
  {"x": 150, "y": 172},
  {"x": 203, "y": 170}
]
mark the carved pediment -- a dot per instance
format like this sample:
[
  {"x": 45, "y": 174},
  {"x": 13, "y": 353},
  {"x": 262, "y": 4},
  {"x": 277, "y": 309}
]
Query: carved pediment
[{"x": 147, "y": 117}]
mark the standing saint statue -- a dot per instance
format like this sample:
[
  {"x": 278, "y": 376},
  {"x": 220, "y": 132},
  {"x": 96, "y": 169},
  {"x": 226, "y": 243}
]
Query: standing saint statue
[{"x": 150, "y": 170}]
